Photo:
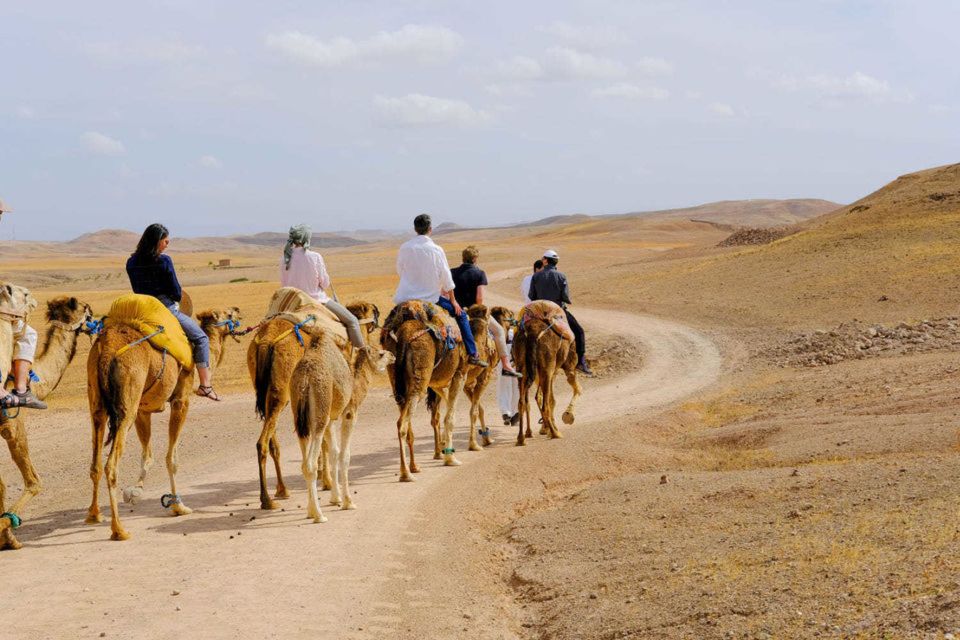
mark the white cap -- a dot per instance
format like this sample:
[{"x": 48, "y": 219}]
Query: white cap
[
  {"x": 550, "y": 253},
  {"x": 4, "y": 208}
]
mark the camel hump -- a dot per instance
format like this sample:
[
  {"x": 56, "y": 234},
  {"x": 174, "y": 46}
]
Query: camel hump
[
  {"x": 550, "y": 313},
  {"x": 433, "y": 317},
  {"x": 146, "y": 314},
  {"x": 294, "y": 305}
]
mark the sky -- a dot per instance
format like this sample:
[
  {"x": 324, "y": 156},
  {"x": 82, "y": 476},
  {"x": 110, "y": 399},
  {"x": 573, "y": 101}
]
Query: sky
[{"x": 223, "y": 117}]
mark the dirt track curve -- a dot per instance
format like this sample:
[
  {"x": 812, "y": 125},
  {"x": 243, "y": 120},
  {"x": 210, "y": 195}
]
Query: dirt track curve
[{"x": 231, "y": 570}]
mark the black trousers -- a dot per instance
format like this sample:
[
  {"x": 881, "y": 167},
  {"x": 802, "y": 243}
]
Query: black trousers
[{"x": 577, "y": 334}]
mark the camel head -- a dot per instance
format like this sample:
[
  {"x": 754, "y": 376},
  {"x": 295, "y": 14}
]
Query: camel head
[
  {"x": 369, "y": 316},
  {"x": 220, "y": 323},
  {"x": 378, "y": 360},
  {"x": 69, "y": 312},
  {"x": 503, "y": 316},
  {"x": 16, "y": 298}
]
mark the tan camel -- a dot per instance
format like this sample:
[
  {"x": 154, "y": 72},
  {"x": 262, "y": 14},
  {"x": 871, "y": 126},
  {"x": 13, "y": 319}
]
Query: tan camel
[
  {"x": 542, "y": 347},
  {"x": 271, "y": 358},
  {"x": 68, "y": 318},
  {"x": 323, "y": 389},
  {"x": 478, "y": 377},
  {"x": 129, "y": 389},
  {"x": 422, "y": 363}
]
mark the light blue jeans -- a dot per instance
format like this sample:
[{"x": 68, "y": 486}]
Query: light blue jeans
[{"x": 198, "y": 339}]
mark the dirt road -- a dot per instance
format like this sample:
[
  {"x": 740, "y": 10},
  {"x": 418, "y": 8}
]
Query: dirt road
[{"x": 231, "y": 570}]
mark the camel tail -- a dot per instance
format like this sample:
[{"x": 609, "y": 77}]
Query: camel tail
[
  {"x": 400, "y": 374},
  {"x": 530, "y": 359},
  {"x": 303, "y": 414},
  {"x": 262, "y": 378},
  {"x": 432, "y": 399},
  {"x": 110, "y": 390}
]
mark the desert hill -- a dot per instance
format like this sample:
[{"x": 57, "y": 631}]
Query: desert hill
[{"x": 890, "y": 256}]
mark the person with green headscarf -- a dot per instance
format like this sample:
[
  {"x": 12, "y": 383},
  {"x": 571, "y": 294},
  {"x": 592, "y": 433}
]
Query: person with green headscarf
[{"x": 305, "y": 270}]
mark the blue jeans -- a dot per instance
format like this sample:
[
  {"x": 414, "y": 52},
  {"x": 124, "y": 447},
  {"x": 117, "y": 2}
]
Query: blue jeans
[
  {"x": 198, "y": 339},
  {"x": 464, "y": 323}
]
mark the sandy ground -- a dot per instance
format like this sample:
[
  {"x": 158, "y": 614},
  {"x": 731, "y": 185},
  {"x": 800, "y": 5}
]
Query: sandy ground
[{"x": 232, "y": 569}]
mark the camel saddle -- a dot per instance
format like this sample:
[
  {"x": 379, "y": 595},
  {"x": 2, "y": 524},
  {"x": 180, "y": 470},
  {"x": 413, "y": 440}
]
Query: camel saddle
[
  {"x": 437, "y": 322},
  {"x": 549, "y": 312},
  {"x": 294, "y": 305},
  {"x": 147, "y": 315}
]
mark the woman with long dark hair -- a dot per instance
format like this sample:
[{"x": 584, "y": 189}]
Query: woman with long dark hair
[{"x": 151, "y": 273}]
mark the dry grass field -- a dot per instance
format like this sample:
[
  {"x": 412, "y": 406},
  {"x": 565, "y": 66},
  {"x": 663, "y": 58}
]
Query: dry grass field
[{"x": 780, "y": 502}]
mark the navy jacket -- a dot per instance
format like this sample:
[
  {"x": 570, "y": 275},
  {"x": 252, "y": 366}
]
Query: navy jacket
[
  {"x": 154, "y": 278},
  {"x": 550, "y": 284}
]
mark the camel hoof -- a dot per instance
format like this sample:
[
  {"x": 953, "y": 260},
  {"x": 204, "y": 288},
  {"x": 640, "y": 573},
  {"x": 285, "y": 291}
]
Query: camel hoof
[
  {"x": 556, "y": 436},
  {"x": 326, "y": 486},
  {"x": 349, "y": 506},
  {"x": 487, "y": 442},
  {"x": 414, "y": 468},
  {"x": 132, "y": 495},
  {"x": 406, "y": 478},
  {"x": 120, "y": 535},
  {"x": 319, "y": 519},
  {"x": 475, "y": 447},
  {"x": 93, "y": 518},
  {"x": 450, "y": 461},
  {"x": 568, "y": 417},
  {"x": 282, "y": 493},
  {"x": 335, "y": 502},
  {"x": 10, "y": 544},
  {"x": 544, "y": 431},
  {"x": 437, "y": 455},
  {"x": 269, "y": 505},
  {"x": 521, "y": 443},
  {"x": 180, "y": 510}
]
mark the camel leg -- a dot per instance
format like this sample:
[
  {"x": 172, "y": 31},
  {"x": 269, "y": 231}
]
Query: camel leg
[
  {"x": 310, "y": 448},
  {"x": 523, "y": 410},
  {"x": 414, "y": 467},
  {"x": 7, "y": 539},
  {"x": 456, "y": 386},
  {"x": 134, "y": 493},
  {"x": 178, "y": 415},
  {"x": 435, "y": 425},
  {"x": 549, "y": 402},
  {"x": 281, "y": 492},
  {"x": 325, "y": 461},
  {"x": 20, "y": 452},
  {"x": 404, "y": 432},
  {"x": 475, "y": 410},
  {"x": 263, "y": 446},
  {"x": 113, "y": 461},
  {"x": 346, "y": 433},
  {"x": 333, "y": 448},
  {"x": 99, "y": 419},
  {"x": 574, "y": 382}
]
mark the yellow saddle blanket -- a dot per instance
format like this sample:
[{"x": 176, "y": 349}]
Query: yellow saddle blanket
[
  {"x": 295, "y": 305},
  {"x": 146, "y": 314}
]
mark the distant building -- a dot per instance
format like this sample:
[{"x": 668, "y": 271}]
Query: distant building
[{"x": 224, "y": 262}]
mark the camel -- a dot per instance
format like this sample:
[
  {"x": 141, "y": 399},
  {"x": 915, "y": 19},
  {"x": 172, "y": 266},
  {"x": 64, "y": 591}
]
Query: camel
[
  {"x": 540, "y": 352},
  {"x": 271, "y": 358},
  {"x": 128, "y": 389},
  {"x": 68, "y": 318},
  {"x": 422, "y": 363},
  {"x": 478, "y": 377},
  {"x": 323, "y": 389}
]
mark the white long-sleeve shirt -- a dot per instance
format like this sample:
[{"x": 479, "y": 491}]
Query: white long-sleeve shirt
[
  {"x": 424, "y": 272},
  {"x": 525, "y": 288},
  {"x": 307, "y": 272}
]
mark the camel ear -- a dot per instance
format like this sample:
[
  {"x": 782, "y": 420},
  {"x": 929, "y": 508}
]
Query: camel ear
[{"x": 73, "y": 303}]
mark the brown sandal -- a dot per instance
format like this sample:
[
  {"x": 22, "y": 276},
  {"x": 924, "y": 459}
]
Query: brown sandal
[{"x": 208, "y": 392}]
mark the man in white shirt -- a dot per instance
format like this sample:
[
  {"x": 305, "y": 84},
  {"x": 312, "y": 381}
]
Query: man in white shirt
[
  {"x": 525, "y": 285},
  {"x": 425, "y": 275}
]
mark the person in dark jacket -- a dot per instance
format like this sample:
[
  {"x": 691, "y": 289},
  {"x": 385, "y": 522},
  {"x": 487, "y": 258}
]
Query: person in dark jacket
[
  {"x": 550, "y": 284},
  {"x": 151, "y": 273}
]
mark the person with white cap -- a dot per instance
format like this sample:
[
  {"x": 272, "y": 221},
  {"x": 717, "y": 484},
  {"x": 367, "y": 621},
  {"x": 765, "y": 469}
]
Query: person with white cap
[{"x": 550, "y": 284}]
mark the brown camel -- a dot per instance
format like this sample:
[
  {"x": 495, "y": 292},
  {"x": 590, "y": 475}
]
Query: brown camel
[
  {"x": 130, "y": 388},
  {"x": 542, "y": 347},
  {"x": 67, "y": 319},
  {"x": 271, "y": 358},
  {"x": 422, "y": 363},
  {"x": 323, "y": 388},
  {"x": 478, "y": 377}
]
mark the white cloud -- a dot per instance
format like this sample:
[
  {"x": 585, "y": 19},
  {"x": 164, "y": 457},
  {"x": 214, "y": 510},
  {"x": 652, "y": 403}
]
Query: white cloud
[
  {"x": 722, "y": 109},
  {"x": 25, "y": 112},
  {"x": 520, "y": 68},
  {"x": 856, "y": 86},
  {"x": 586, "y": 37},
  {"x": 418, "y": 110},
  {"x": 155, "y": 51},
  {"x": 102, "y": 144},
  {"x": 652, "y": 66},
  {"x": 940, "y": 109},
  {"x": 627, "y": 90},
  {"x": 210, "y": 162},
  {"x": 412, "y": 42},
  {"x": 565, "y": 63}
]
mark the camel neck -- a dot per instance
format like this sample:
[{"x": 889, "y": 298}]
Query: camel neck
[{"x": 59, "y": 348}]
